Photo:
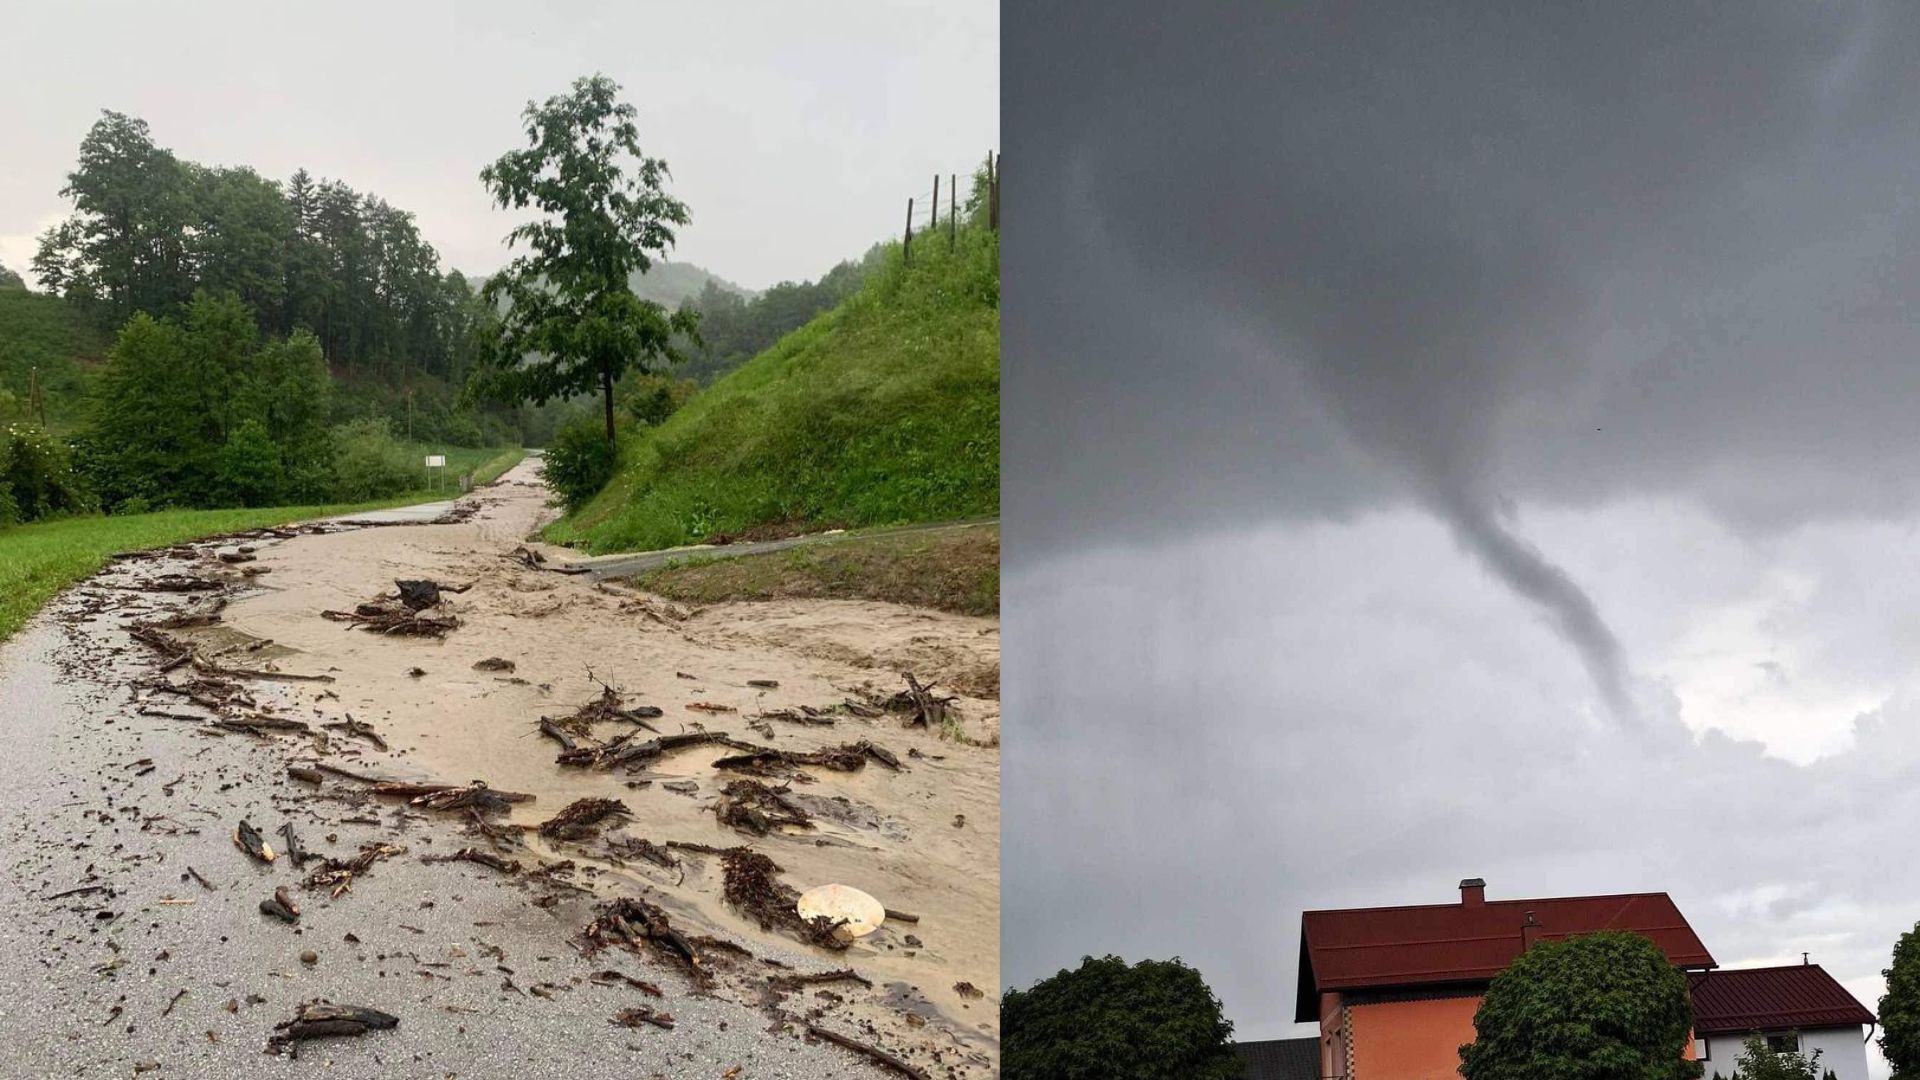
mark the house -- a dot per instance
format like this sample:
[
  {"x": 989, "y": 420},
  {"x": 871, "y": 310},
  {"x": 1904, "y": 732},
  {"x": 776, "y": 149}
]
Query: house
[
  {"x": 1394, "y": 989},
  {"x": 1799, "y": 1006},
  {"x": 1281, "y": 1059}
]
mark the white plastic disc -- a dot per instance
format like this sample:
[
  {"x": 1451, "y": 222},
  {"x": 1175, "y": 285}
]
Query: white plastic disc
[{"x": 859, "y": 913}]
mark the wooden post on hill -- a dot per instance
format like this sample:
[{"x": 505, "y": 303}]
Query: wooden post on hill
[
  {"x": 953, "y": 203},
  {"x": 36, "y": 401},
  {"x": 936, "y": 200},
  {"x": 906, "y": 238},
  {"x": 993, "y": 192}
]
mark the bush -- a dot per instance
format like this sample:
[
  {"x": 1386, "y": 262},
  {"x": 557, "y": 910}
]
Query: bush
[
  {"x": 580, "y": 461},
  {"x": 369, "y": 463},
  {"x": 248, "y": 470},
  {"x": 38, "y": 477}
]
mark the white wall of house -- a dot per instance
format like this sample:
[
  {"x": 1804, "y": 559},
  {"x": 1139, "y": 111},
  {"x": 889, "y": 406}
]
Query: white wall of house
[{"x": 1844, "y": 1050}]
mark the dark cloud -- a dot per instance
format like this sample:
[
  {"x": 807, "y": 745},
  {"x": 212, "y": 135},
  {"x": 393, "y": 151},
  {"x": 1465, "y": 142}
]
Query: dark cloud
[{"x": 1548, "y": 253}]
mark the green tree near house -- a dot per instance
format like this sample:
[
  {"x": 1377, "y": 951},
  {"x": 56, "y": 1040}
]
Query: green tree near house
[
  {"x": 1108, "y": 1020},
  {"x": 1597, "y": 1005},
  {"x": 570, "y": 324},
  {"x": 1900, "y": 1008}
]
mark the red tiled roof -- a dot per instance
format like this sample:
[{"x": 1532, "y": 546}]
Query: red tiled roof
[
  {"x": 1391, "y": 947},
  {"x": 1799, "y": 996}
]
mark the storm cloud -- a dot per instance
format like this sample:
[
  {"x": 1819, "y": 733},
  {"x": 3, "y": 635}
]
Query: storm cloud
[{"x": 1522, "y": 327}]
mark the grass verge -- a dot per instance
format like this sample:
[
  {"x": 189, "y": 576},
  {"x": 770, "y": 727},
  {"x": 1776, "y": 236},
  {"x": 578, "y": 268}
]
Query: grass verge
[
  {"x": 38, "y": 560},
  {"x": 883, "y": 411},
  {"x": 955, "y": 570}
]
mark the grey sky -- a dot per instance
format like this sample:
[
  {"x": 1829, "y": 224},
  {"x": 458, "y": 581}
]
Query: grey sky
[
  {"x": 1451, "y": 441},
  {"x": 796, "y": 132}
]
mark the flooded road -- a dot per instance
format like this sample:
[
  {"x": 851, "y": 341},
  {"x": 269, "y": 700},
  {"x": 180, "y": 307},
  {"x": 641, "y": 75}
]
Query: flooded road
[{"x": 124, "y": 790}]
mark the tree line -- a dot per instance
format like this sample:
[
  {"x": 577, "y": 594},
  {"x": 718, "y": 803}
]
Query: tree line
[{"x": 149, "y": 230}]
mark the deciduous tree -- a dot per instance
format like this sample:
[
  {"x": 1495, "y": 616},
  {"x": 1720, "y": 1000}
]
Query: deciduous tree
[
  {"x": 571, "y": 324},
  {"x": 1597, "y": 1005}
]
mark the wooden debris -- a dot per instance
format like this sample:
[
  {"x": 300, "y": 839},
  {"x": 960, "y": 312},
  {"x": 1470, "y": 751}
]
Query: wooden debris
[
  {"x": 281, "y": 906},
  {"x": 610, "y": 977},
  {"x": 247, "y": 839},
  {"x": 753, "y": 807},
  {"x": 421, "y": 595},
  {"x": 533, "y": 560},
  {"x": 641, "y": 1014},
  {"x": 397, "y": 622},
  {"x": 493, "y": 663},
  {"x": 311, "y": 776},
  {"x": 321, "y": 1019},
  {"x": 624, "y": 752},
  {"x": 338, "y": 874},
  {"x": 872, "y": 1053},
  {"x": 581, "y": 818},
  {"x": 631, "y": 921},
  {"x": 359, "y": 728},
  {"x": 298, "y": 854},
  {"x": 921, "y": 706},
  {"x": 848, "y": 758},
  {"x": 751, "y": 886},
  {"x": 475, "y": 855}
]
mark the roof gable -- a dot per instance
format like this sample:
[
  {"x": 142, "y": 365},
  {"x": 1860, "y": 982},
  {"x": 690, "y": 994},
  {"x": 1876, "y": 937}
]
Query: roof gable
[{"x": 1798, "y": 996}]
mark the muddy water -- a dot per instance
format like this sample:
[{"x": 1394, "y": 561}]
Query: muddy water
[{"x": 925, "y": 841}]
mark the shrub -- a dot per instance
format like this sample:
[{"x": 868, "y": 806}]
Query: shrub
[
  {"x": 580, "y": 461},
  {"x": 37, "y": 474},
  {"x": 368, "y": 462},
  {"x": 1108, "y": 1020},
  {"x": 248, "y": 469}
]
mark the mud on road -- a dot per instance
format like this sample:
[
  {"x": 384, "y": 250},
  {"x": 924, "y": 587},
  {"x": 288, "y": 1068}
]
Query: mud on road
[{"x": 632, "y": 916}]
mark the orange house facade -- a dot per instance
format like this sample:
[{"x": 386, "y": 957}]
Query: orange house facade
[{"x": 1394, "y": 989}]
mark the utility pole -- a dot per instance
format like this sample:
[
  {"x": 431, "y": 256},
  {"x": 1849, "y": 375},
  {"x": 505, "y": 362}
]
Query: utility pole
[
  {"x": 906, "y": 238},
  {"x": 993, "y": 192},
  {"x": 953, "y": 213},
  {"x": 936, "y": 200}
]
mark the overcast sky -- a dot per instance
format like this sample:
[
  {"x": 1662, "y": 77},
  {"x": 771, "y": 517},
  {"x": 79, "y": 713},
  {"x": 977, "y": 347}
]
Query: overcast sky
[
  {"x": 796, "y": 132},
  {"x": 1473, "y": 440}
]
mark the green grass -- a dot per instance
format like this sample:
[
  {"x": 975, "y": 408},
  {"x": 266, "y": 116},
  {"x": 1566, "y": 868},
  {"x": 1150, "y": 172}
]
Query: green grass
[
  {"x": 38, "y": 560},
  {"x": 882, "y": 411},
  {"x": 954, "y": 570},
  {"x": 45, "y": 332}
]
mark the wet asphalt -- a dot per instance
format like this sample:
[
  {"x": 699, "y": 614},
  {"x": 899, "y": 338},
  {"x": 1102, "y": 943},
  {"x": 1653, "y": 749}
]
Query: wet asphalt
[{"x": 485, "y": 983}]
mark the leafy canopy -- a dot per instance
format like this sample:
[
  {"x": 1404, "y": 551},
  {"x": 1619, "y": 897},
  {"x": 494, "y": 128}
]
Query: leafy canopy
[
  {"x": 1594, "y": 1007},
  {"x": 570, "y": 322},
  {"x": 1106, "y": 1020},
  {"x": 1900, "y": 1008}
]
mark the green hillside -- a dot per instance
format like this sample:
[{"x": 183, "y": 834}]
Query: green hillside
[
  {"x": 45, "y": 332},
  {"x": 884, "y": 410}
]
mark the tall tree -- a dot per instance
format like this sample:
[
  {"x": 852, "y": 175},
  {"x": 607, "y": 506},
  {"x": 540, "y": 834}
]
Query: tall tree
[
  {"x": 1605, "y": 1004},
  {"x": 1900, "y": 1008},
  {"x": 124, "y": 248},
  {"x": 1108, "y": 1020},
  {"x": 571, "y": 323}
]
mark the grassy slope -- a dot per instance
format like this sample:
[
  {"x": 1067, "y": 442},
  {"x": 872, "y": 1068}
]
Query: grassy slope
[
  {"x": 45, "y": 332},
  {"x": 885, "y": 410},
  {"x": 954, "y": 570},
  {"x": 38, "y": 560}
]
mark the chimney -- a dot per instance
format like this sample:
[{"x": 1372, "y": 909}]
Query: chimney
[
  {"x": 1530, "y": 932},
  {"x": 1473, "y": 892}
]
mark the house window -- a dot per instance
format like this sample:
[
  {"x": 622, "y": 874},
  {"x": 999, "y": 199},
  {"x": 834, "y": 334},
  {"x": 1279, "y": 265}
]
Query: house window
[
  {"x": 1701, "y": 1049},
  {"x": 1784, "y": 1044}
]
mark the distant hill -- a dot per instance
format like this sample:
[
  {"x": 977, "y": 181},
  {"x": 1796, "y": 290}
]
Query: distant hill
[
  {"x": 882, "y": 410},
  {"x": 667, "y": 284},
  {"x": 670, "y": 283},
  {"x": 43, "y": 332}
]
